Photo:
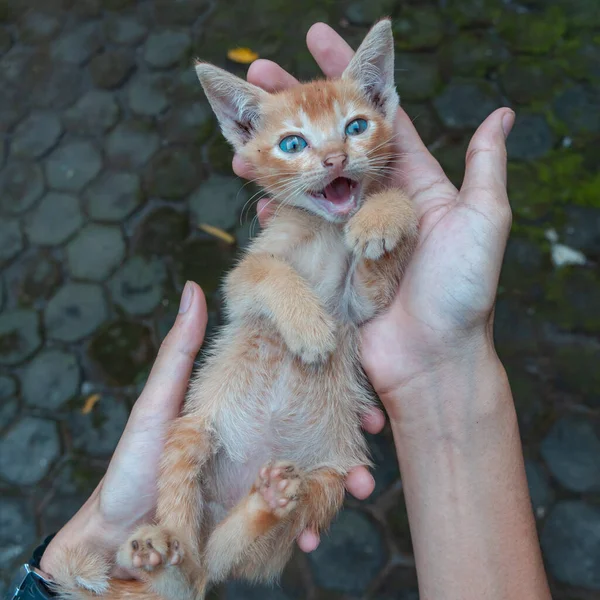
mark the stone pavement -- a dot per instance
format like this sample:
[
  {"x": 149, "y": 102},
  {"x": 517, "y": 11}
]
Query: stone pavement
[{"x": 109, "y": 161}]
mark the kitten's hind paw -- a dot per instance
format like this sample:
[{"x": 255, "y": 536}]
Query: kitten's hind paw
[
  {"x": 150, "y": 548},
  {"x": 279, "y": 485}
]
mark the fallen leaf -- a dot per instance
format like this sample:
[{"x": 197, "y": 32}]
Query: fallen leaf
[
  {"x": 89, "y": 404},
  {"x": 217, "y": 232},
  {"x": 243, "y": 56}
]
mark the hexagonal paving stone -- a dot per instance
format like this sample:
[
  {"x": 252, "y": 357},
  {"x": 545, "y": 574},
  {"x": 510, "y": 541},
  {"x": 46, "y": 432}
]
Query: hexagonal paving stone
[
  {"x": 131, "y": 144},
  {"x": 21, "y": 184},
  {"x": 530, "y": 138},
  {"x": 11, "y": 240},
  {"x": 125, "y": 30},
  {"x": 38, "y": 26},
  {"x": 474, "y": 55},
  {"x": 112, "y": 68},
  {"x": 571, "y": 544},
  {"x": 36, "y": 135},
  {"x": 417, "y": 76},
  {"x": 475, "y": 12},
  {"x": 95, "y": 112},
  {"x": 418, "y": 28},
  {"x": 528, "y": 79},
  {"x": 191, "y": 123},
  {"x": 138, "y": 285},
  {"x": 73, "y": 165},
  {"x": 19, "y": 336},
  {"x": 571, "y": 450},
  {"x": 95, "y": 252},
  {"x": 466, "y": 104},
  {"x": 78, "y": 46},
  {"x": 9, "y": 406},
  {"x": 179, "y": 12},
  {"x": 166, "y": 48},
  {"x": 124, "y": 350},
  {"x": 161, "y": 232},
  {"x": 55, "y": 219},
  {"x": 218, "y": 201},
  {"x": 147, "y": 95},
  {"x": 75, "y": 311},
  {"x": 172, "y": 173},
  {"x": 582, "y": 229},
  {"x": 366, "y": 13},
  {"x": 579, "y": 108},
  {"x": 540, "y": 491},
  {"x": 351, "y": 555},
  {"x": 383, "y": 454},
  {"x": 113, "y": 196},
  {"x": 28, "y": 450},
  {"x": 51, "y": 379},
  {"x": 17, "y": 529},
  {"x": 204, "y": 261},
  {"x": 97, "y": 433},
  {"x": 57, "y": 87},
  {"x": 41, "y": 277}
]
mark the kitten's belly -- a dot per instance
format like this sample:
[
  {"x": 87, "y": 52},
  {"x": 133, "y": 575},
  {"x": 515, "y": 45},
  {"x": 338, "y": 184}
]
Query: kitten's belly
[{"x": 284, "y": 417}]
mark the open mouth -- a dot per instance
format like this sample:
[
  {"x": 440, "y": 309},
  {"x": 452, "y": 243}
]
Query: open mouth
[{"x": 338, "y": 197}]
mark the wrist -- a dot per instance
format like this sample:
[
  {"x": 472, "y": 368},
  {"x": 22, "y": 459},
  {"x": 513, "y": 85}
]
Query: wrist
[{"x": 450, "y": 392}]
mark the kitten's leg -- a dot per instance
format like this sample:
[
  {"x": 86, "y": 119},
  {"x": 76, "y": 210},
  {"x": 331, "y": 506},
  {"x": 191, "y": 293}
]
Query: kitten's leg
[
  {"x": 257, "y": 538},
  {"x": 265, "y": 285},
  {"x": 188, "y": 447},
  {"x": 271, "y": 502},
  {"x": 384, "y": 234},
  {"x": 158, "y": 552}
]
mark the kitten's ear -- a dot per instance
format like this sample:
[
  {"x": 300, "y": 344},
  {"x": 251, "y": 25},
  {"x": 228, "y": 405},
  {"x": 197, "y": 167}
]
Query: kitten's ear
[
  {"x": 372, "y": 67},
  {"x": 235, "y": 102}
]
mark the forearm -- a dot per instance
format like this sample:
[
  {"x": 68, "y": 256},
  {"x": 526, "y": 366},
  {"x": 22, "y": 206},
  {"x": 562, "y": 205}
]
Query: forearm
[{"x": 466, "y": 492}]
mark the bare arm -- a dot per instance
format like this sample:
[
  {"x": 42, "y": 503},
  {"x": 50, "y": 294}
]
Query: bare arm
[{"x": 466, "y": 492}]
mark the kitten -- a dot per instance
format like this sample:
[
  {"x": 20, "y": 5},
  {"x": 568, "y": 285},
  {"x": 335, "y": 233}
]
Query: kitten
[{"x": 271, "y": 425}]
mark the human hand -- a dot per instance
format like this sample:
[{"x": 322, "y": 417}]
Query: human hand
[{"x": 443, "y": 309}]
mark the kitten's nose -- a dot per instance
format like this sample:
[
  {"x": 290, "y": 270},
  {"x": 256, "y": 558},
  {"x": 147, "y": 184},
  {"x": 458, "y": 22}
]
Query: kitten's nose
[{"x": 335, "y": 160}]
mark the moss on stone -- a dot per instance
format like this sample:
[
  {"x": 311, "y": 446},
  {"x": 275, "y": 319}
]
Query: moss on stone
[
  {"x": 472, "y": 54},
  {"x": 418, "y": 28},
  {"x": 467, "y": 13},
  {"x": 535, "y": 32},
  {"x": 572, "y": 300},
  {"x": 527, "y": 79}
]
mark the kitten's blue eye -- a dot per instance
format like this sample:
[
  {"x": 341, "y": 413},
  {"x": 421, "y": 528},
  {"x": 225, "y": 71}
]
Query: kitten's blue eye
[
  {"x": 356, "y": 127},
  {"x": 293, "y": 143}
]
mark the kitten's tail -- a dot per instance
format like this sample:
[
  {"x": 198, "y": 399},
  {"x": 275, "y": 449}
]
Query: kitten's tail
[{"x": 85, "y": 575}]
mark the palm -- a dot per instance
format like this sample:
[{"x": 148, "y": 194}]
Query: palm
[{"x": 449, "y": 286}]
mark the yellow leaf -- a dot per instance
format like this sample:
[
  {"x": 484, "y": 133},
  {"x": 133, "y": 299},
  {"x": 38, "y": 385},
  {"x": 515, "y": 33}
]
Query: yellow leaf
[
  {"x": 217, "y": 232},
  {"x": 89, "y": 404},
  {"x": 243, "y": 56}
]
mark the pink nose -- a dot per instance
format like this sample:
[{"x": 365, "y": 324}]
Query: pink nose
[{"x": 335, "y": 160}]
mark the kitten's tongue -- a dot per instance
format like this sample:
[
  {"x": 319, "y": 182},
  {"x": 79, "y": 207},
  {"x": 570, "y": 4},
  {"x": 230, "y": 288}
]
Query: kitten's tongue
[{"x": 338, "y": 190}]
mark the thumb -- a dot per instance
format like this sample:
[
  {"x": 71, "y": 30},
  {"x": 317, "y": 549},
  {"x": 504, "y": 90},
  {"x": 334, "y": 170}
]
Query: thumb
[{"x": 486, "y": 156}]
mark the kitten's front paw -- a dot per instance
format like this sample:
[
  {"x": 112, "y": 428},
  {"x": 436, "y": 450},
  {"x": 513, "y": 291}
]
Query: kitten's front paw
[
  {"x": 312, "y": 339},
  {"x": 150, "y": 548},
  {"x": 381, "y": 225},
  {"x": 279, "y": 485}
]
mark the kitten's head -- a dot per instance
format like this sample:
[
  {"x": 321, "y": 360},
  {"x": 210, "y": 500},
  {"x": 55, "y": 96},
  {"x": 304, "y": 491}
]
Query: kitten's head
[{"x": 317, "y": 145}]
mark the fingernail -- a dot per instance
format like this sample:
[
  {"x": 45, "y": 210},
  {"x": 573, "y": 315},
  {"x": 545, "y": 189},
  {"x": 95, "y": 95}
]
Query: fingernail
[
  {"x": 508, "y": 120},
  {"x": 186, "y": 298}
]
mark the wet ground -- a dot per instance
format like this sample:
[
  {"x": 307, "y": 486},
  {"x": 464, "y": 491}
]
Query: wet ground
[{"x": 109, "y": 161}]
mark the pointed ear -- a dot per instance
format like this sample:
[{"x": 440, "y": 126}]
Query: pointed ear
[
  {"x": 372, "y": 67},
  {"x": 235, "y": 102}
]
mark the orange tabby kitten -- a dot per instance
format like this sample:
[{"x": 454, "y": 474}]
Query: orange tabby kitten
[{"x": 271, "y": 424}]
